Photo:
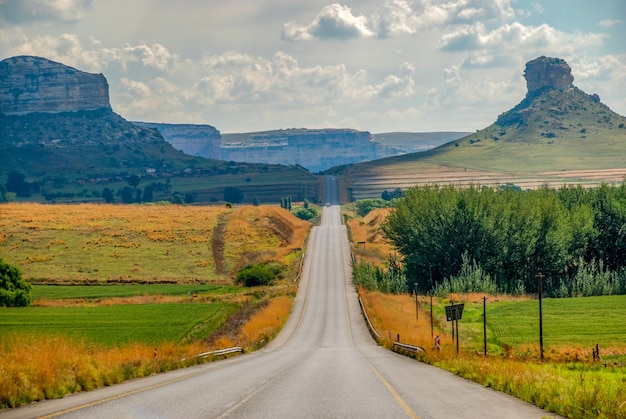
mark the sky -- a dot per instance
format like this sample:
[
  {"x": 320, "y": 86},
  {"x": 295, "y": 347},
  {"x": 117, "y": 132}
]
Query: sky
[{"x": 371, "y": 65}]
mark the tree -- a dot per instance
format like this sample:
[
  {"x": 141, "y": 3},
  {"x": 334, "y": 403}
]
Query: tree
[
  {"x": 256, "y": 202},
  {"x": 14, "y": 291},
  {"x": 128, "y": 195},
  {"x": 107, "y": 194},
  {"x": 233, "y": 195},
  {"x": 148, "y": 193},
  {"x": 133, "y": 180},
  {"x": 17, "y": 183}
]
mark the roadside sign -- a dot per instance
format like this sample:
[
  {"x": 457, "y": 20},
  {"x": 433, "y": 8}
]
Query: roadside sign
[{"x": 454, "y": 312}]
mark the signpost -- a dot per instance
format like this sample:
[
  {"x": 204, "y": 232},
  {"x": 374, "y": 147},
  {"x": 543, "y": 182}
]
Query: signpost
[
  {"x": 540, "y": 277},
  {"x": 454, "y": 313}
]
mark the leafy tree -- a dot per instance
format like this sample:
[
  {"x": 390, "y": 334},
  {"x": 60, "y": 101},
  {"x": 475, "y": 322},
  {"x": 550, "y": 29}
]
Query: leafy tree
[
  {"x": 190, "y": 198},
  {"x": 388, "y": 196},
  {"x": 127, "y": 194},
  {"x": 233, "y": 195},
  {"x": 364, "y": 206},
  {"x": 177, "y": 198},
  {"x": 107, "y": 194},
  {"x": 133, "y": 180},
  {"x": 256, "y": 202},
  {"x": 17, "y": 183},
  {"x": 148, "y": 193},
  {"x": 14, "y": 291},
  {"x": 448, "y": 234}
]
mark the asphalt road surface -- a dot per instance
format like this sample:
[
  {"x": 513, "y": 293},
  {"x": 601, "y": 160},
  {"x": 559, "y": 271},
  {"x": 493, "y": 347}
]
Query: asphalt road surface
[{"x": 323, "y": 364}]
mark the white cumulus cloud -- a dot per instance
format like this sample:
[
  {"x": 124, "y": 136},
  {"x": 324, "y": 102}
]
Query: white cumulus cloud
[{"x": 335, "y": 21}]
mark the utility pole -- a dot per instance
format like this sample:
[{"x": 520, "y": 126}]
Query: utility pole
[
  {"x": 417, "y": 313},
  {"x": 485, "y": 324},
  {"x": 432, "y": 326},
  {"x": 540, "y": 277}
]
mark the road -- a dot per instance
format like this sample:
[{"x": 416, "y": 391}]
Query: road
[{"x": 323, "y": 364}]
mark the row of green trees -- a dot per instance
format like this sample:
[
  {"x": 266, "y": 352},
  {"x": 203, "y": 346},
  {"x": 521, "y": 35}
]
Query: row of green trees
[{"x": 504, "y": 238}]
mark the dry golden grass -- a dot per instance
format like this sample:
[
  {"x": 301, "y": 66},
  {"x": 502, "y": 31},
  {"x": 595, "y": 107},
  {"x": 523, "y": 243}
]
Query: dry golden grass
[
  {"x": 37, "y": 368},
  {"x": 263, "y": 233},
  {"x": 394, "y": 314},
  {"x": 266, "y": 323},
  {"x": 143, "y": 243},
  {"x": 367, "y": 230},
  {"x": 43, "y": 367},
  {"x": 54, "y": 244}
]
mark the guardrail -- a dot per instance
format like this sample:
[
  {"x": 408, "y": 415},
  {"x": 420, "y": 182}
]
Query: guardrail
[
  {"x": 409, "y": 348},
  {"x": 397, "y": 346},
  {"x": 373, "y": 331},
  {"x": 227, "y": 351},
  {"x": 299, "y": 269}
]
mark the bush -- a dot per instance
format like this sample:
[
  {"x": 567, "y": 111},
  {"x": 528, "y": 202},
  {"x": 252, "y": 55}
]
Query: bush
[
  {"x": 305, "y": 213},
  {"x": 392, "y": 280},
  {"x": 259, "y": 274},
  {"x": 471, "y": 278},
  {"x": 364, "y": 206},
  {"x": 14, "y": 291}
]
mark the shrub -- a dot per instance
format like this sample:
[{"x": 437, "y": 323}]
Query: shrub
[
  {"x": 305, "y": 213},
  {"x": 471, "y": 278},
  {"x": 259, "y": 274},
  {"x": 364, "y": 206},
  {"x": 14, "y": 291}
]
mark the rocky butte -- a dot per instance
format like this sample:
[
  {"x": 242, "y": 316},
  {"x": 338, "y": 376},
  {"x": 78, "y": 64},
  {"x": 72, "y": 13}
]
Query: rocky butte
[
  {"x": 35, "y": 84},
  {"x": 545, "y": 72},
  {"x": 553, "y": 105}
]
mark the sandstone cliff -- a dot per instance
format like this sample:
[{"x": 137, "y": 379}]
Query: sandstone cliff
[
  {"x": 192, "y": 139},
  {"x": 315, "y": 149},
  {"x": 34, "y": 84},
  {"x": 545, "y": 72}
]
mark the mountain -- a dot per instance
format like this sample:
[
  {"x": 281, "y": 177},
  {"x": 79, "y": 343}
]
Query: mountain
[
  {"x": 57, "y": 129},
  {"x": 557, "y": 134},
  {"x": 314, "y": 149}
]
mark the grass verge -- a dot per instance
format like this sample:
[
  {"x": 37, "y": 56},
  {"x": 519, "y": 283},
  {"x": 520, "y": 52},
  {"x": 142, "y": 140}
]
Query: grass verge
[{"x": 568, "y": 382}]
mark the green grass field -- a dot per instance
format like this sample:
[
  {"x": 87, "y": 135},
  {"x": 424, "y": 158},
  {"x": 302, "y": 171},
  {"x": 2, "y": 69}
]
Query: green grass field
[
  {"x": 93, "y": 292},
  {"x": 118, "y": 324},
  {"x": 567, "y": 322}
]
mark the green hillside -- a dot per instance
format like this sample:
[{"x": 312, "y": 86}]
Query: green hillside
[{"x": 552, "y": 137}]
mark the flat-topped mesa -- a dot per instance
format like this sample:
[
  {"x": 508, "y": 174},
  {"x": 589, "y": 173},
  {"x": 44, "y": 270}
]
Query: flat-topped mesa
[
  {"x": 546, "y": 72},
  {"x": 35, "y": 84}
]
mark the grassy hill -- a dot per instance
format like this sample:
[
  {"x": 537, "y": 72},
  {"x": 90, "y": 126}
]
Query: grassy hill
[
  {"x": 552, "y": 137},
  {"x": 94, "y": 244}
]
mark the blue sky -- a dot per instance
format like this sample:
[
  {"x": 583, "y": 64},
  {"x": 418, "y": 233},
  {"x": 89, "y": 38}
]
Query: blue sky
[{"x": 380, "y": 66}]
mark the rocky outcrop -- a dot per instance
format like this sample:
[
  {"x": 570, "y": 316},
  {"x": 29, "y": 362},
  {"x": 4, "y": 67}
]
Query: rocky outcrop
[
  {"x": 315, "y": 149},
  {"x": 34, "y": 84},
  {"x": 546, "y": 72},
  {"x": 192, "y": 139}
]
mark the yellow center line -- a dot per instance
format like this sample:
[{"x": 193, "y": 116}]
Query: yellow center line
[{"x": 405, "y": 406}]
